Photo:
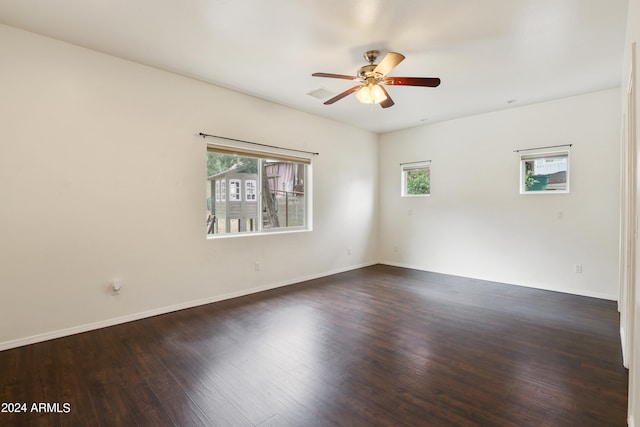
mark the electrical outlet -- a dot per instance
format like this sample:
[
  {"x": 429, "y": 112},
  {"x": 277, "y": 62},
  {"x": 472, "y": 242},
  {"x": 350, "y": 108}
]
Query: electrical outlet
[
  {"x": 116, "y": 287},
  {"x": 395, "y": 248},
  {"x": 257, "y": 266},
  {"x": 348, "y": 251},
  {"x": 578, "y": 268}
]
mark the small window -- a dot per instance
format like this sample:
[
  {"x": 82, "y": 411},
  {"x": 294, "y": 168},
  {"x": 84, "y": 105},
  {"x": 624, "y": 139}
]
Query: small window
[
  {"x": 416, "y": 179},
  {"x": 544, "y": 173},
  {"x": 250, "y": 190},
  {"x": 234, "y": 190}
]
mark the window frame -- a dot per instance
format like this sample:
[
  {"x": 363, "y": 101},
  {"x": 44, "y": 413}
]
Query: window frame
[
  {"x": 256, "y": 186},
  {"x": 544, "y": 155},
  {"x": 405, "y": 168}
]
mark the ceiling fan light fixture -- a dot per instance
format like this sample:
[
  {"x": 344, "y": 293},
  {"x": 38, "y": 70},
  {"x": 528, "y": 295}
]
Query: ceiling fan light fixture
[
  {"x": 377, "y": 94},
  {"x": 371, "y": 94},
  {"x": 364, "y": 95}
]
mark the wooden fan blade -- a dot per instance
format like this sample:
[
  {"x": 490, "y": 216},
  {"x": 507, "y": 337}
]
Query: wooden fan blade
[
  {"x": 387, "y": 102},
  {"x": 412, "y": 81},
  {"x": 388, "y": 63},
  {"x": 342, "y": 95},
  {"x": 334, "y": 76}
]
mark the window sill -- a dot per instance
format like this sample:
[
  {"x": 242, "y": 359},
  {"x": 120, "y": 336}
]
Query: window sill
[{"x": 254, "y": 234}]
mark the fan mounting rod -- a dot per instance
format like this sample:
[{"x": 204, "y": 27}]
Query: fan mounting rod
[
  {"x": 367, "y": 72},
  {"x": 371, "y": 55}
]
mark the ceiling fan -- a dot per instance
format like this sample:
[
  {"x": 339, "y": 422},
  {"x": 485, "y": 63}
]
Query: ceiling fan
[{"x": 373, "y": 76}]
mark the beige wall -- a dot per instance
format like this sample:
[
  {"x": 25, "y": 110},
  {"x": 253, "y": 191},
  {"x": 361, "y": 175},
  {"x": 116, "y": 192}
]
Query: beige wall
[
  {"x": 476, "y": 224},
  {"x": 102, "y": 177}
]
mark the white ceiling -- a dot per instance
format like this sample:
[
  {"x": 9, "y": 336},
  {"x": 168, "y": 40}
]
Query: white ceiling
[{"x": 487, "y": 52}]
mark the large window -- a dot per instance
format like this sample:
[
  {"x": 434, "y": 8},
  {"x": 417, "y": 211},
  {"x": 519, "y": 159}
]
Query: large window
[
  {"x": 544, "y": 173},
  {"x": 416, "y": 178},
  {"x": 266, "y": 192}
]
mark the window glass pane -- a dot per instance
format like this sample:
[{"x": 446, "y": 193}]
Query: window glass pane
[
  {"x": 545, "y": 172},
  {"x": 283, "y": 194},
  {"x": 416, "y": 179},
  {"x": 252, "y": 194}
]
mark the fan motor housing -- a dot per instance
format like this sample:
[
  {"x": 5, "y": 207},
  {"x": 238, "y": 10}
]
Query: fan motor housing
[{"x": 367, "y": 71}]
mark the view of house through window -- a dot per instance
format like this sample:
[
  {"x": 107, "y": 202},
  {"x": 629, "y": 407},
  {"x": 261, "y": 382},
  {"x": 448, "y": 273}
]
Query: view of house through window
[
  {"x": 253, "y": 192},
  {"x": 544, "y": 172},
  {"x": 416, "y": 178}
]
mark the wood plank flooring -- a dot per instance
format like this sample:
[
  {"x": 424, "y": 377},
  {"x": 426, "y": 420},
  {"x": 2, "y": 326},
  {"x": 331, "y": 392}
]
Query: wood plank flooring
[{"x": 378, "y": 346}]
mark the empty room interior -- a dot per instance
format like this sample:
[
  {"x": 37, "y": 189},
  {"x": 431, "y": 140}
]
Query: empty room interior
[{"x": 319, "y": 213}]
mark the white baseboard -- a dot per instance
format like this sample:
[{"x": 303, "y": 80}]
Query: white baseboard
[
  {"x": 164, "y": 310},
  {"x": 579, "y": 292},
  {"x": 181, "y": 306},
  {"x": 630, "y": 422}
]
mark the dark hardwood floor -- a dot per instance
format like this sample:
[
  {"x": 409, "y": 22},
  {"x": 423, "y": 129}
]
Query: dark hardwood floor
[{"x": 378, "y": 346}]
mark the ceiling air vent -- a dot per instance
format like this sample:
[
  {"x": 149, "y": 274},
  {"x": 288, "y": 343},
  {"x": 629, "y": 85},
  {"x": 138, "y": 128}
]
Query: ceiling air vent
[{"x": 321, "y": 93}]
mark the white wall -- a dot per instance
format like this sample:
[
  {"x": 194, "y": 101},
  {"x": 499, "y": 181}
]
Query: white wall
[
  {"x": 102, "y": 177},
  {"x": 630, "y": 297},
  {"x": 476, "y": 224}
]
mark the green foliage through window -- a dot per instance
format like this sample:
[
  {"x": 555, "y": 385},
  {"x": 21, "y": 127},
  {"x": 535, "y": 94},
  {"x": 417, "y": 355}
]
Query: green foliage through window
[
  {"x": 218, "y": 163},
  {"x": 416, "y": 178},
  {"x": 418, "y": 182}
]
